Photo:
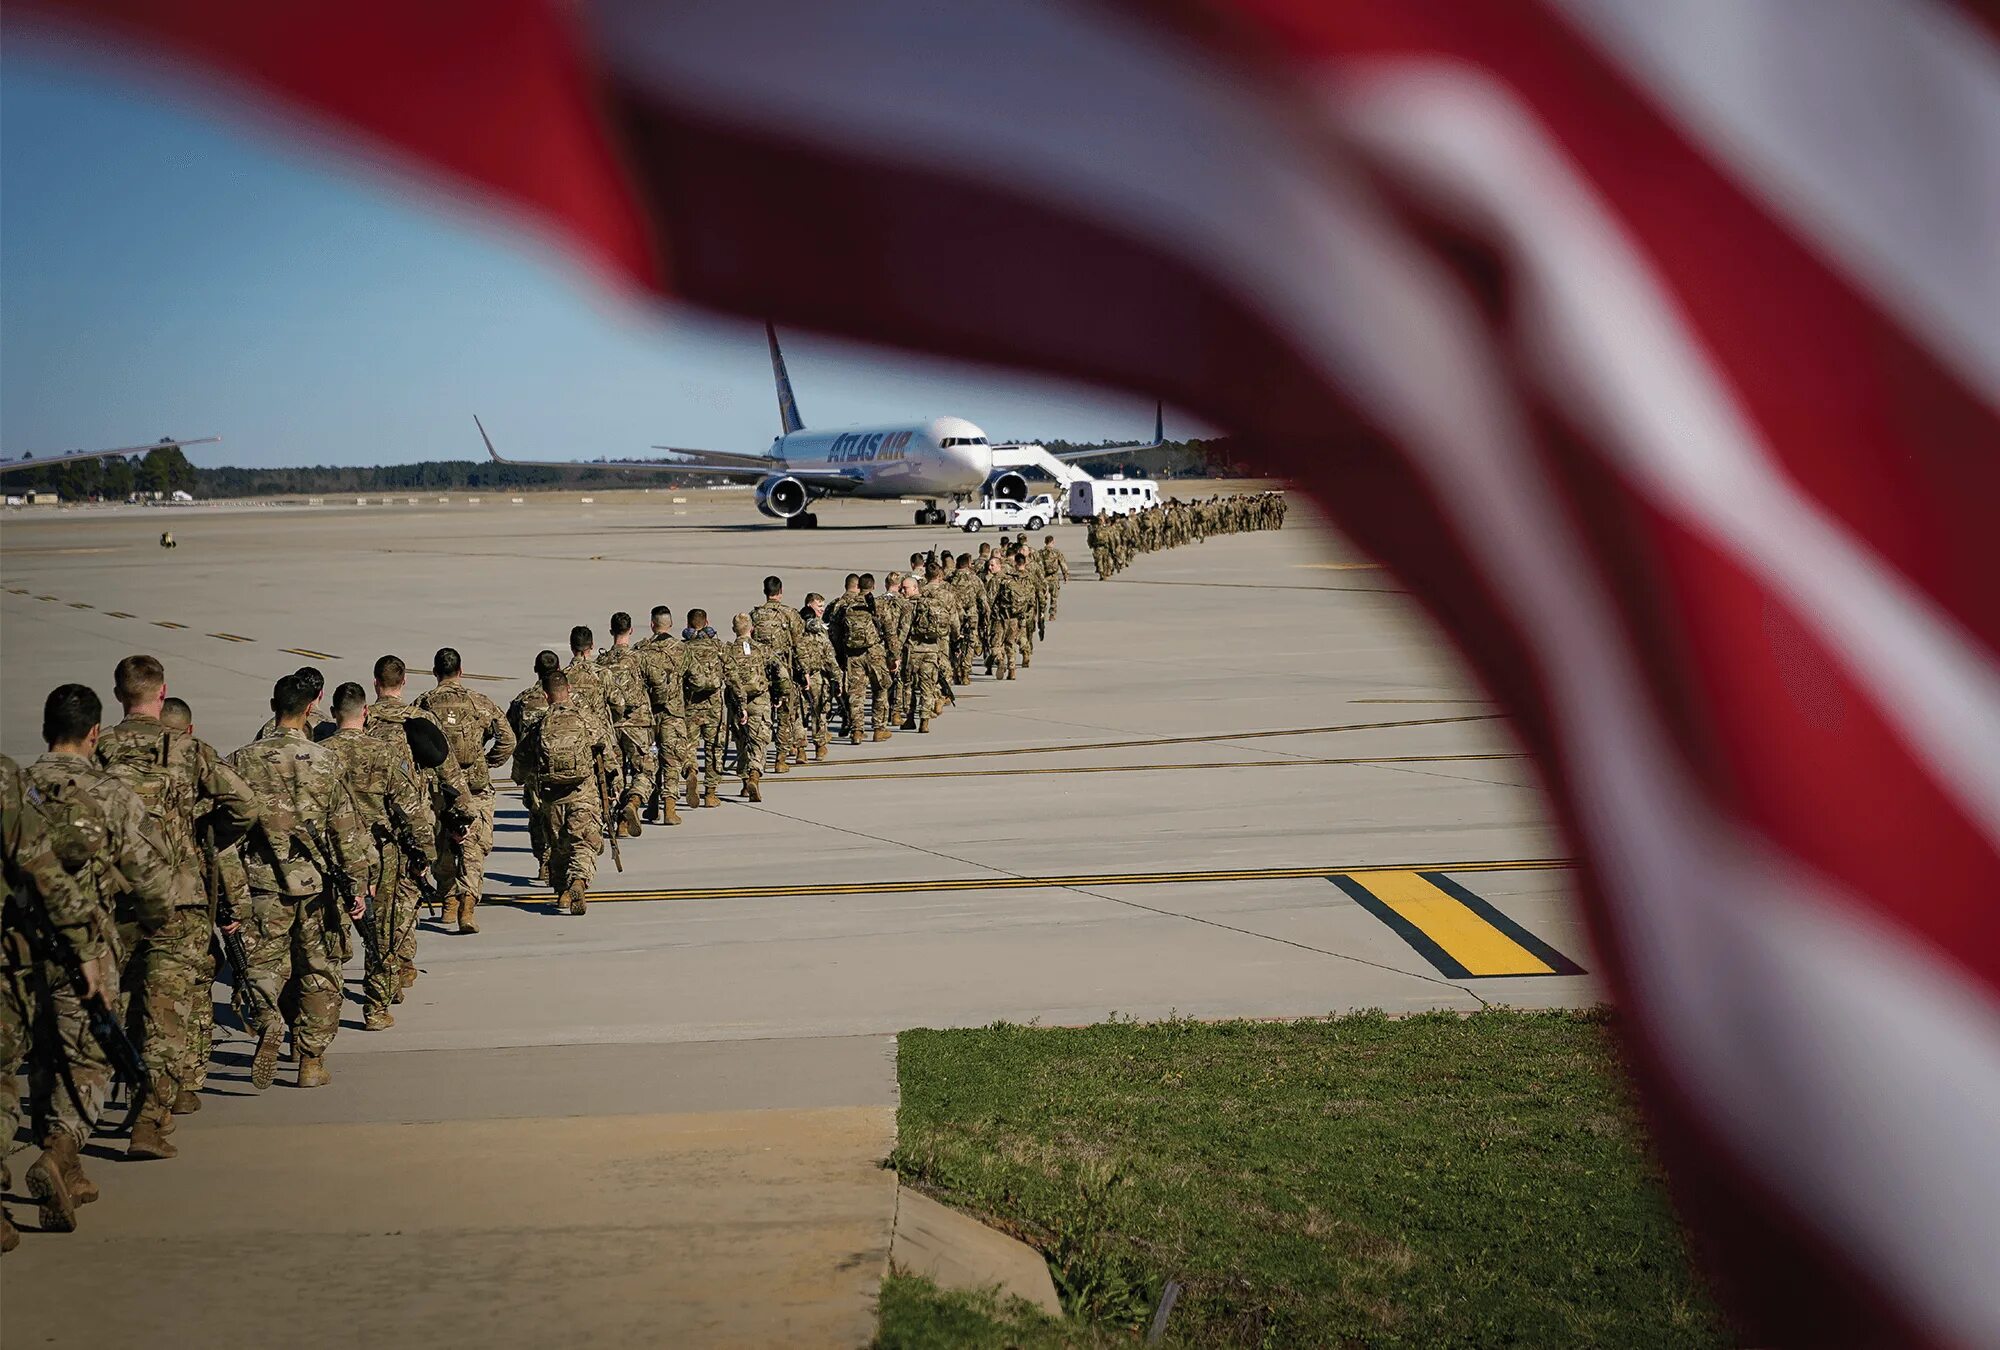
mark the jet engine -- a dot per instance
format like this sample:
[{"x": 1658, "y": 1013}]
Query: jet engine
[
  {"x": 1006, "y": 486},
  {"x": 782, "y": 497}
]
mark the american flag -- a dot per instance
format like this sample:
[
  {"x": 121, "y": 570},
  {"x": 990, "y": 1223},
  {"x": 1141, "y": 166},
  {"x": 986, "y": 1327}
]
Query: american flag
[{"x": 1656, "y": 343}]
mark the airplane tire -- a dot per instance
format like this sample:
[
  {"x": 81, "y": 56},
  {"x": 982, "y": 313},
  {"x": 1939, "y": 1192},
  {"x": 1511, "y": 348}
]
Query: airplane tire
[
  {"x": 795, "y": 522},
  {"x": 810, "y": 520},
  {"x": 923, "y": 516}
]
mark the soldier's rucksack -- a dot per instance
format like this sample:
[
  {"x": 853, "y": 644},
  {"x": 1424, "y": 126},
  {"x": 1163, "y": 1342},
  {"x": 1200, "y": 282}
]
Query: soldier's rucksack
[
  {"x": 79, "y": 834},
  {"x": 929, "y": 623},
  {"x": 569, "y": 749},
  {"x": 767, "y": 625},
  {"x": 145, "y": 764},
  {"x": 860, "y": 629},
  {"x": 702, "y": 669},
  {"x": 459, "y": 716}
]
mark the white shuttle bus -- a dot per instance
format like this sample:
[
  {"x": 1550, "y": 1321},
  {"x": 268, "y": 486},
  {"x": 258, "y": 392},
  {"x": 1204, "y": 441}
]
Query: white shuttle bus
[{"x": 1091, "y": 497}]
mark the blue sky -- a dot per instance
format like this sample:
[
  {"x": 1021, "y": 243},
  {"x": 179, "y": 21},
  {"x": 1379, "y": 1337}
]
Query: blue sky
[{"x": 164, "y": 269}]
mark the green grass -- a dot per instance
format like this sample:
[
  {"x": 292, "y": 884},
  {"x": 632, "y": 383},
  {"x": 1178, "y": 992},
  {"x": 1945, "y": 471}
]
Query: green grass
[{"x": 1430, "y": 1181}]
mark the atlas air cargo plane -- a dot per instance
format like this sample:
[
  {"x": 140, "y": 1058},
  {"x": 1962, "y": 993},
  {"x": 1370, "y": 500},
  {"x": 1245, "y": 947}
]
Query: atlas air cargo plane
[{"x": 939, "y": 459}]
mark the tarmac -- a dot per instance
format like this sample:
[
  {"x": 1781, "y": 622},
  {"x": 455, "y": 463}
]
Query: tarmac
[{"x": 1243, "y": 779}]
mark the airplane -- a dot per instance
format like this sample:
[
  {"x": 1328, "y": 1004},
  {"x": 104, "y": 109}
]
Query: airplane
[
  {"x": 931, "y": 460},
  {"x": 72, "y": 456}
]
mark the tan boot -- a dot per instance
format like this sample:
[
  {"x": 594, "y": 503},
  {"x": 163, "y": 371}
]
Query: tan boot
[
  {"x": 312, "y": 1071},
  {"x": 693, "y": 794},
  {"x": 378, "y": 1019},
  {"x": 819, "y": 752},
  {"x": 450, "y": 914},
  {"x": 883, "y": 733},
  {"x": 149, "y": 1135},
  {"x": 575, "y": 896},
  {"x": 49, "y": 1185},
  {"x": 667, "y": 813},
  {"x": 784, "y": 764},
  {"x": 754, "y": 785},
  {"x": 409, "y": 975},
  {"x": 186, "y": 1102},
  {"x": 81, "y": 1188},
  {"x": 630, "y": 818},
  {"x": 466, "y": 904},
  {"x": 264, "y": 1064},
  {"x": 542, "y": 872},
  {"x": 709, "y": 797}
]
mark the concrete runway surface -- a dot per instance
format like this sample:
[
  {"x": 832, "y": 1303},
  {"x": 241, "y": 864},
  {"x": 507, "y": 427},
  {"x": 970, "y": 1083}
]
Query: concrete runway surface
[{"x": 1244, "y": 778}]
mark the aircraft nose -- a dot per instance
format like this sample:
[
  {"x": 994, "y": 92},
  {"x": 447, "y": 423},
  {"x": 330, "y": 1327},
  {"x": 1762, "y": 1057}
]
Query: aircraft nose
[{"x": 977, "y": 460}]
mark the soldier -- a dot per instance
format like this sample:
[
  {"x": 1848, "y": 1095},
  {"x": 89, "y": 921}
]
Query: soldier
[
  {"x": 480, "y": 741},
  {"x": 661, "y": 661},
  {"x": 315, "y": 719},
  {"x": 865, "y": 666},
  {"x": 1024, "y": 567},
  {"x": 180, "y": 779},
  {"x": 522, "y": 714},
  {"x": 971, "y": 617},
  {"x": 632, "y": 726},
  {"x": 1014, "y": 600},
  {"x": 989, "y": 577},
  {"x": 702, "y": 681},
  {"x": 746, "y": 678},
  {"x": 103, "y": 836},
  {"x": 35, "y": 877},
  {"x": 821, "y": 667},
  {"x": 931, "y": 622},
  {"x": 586, "y": 686},
  {"x": 1055, "y": 571},
  {"x": 777, "y": 631},
  {"x": 892, "y": 609},
  {"x": 387, "y": 718},
  {"x": 396, "y": 811},
  {"x": 564, "y": 749},
  {"x": 308, "y": 852}
]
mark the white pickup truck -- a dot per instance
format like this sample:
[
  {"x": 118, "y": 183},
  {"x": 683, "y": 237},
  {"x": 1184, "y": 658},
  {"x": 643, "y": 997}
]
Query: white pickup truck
[{"x": 1006, "y": 515}]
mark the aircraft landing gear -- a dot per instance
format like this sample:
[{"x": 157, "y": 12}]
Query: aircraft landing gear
[
  {"x": 805, "y": 520},
  {"x": 929, "y": 514}
]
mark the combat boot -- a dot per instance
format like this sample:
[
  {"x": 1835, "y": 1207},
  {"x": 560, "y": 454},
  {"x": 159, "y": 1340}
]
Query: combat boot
[
  {"x": 378, "y": 1019},
  {"x": 409, "y": 974},
  {"x": 186, "y": 1102},
  {"x": 466, "y": 904},
  {"x": 629, "y": 817},
  {"x": 669, "y": 816},
  {"x": 264, "y": 1064},
  {"x": 149, "y": 1135},
  {"x": 854, "y": 738},
  {"x": 50, "y": 1187},
  {"x": 81, "y": 1188},
  {"x": 694, "y": 792},
  {"x": 819, "y": 752},
  {"x": 883, "y": 733},
  {"x": 710, "y": 797},
  {"x": 753, "y": 786},
  {"x": 312, "y": 1071},
  {"x": 450, "y": 914},
  {"x": 542, "y": 872},
  {"x": 575, "y": 896},
  {"x": 784, "y": 764}
]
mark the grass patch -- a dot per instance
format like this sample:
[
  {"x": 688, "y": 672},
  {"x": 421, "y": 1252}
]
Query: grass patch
[
  {"x": 1429, "y": 1181},
  {"x": 917, "y": 1315}
]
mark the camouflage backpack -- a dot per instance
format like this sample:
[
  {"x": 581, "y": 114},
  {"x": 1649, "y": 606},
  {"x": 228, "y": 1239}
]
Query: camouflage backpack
[
  {"x": 458, "y": 715},
  {"x": 861, "y": 630},
  {"x": 569, "y": 749},
  {"x": 78, "y": 830},
  {"x": 146, "y": 764},
  {"x": 703, "y": 667},
  {"x": 767, "y": 624},
  {"x": 931, "y": 621}
]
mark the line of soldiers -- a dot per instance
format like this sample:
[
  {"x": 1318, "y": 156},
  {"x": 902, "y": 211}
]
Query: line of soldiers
[
  {"x": 142, "y": 864},
  {"x": 618, "y": 739},
  {"x": 1116, "y": 540}
]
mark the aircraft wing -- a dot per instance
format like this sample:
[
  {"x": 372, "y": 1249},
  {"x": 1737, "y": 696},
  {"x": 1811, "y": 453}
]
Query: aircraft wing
[
  {"x": 43, "y": 461},
  {"x": 710, "y": 463},
  {"x": 721, "y": 459},
  {"x": 1102, "y": 451}
]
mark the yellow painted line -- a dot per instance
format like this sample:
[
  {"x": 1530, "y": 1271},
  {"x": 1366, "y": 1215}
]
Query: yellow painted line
[
  {"x": 118, "y": 614},
  {"x": 78, "y": 604},
  {"x": 232, "y": 637},
  {"x": 1341, "y": 567},
  {"x": 307, "y": 651},
  {"x": 1294, "y": 763},
  {"x": 17, "y": 590},
  {"x": 167, "y": 623},
  {"x": 1462, "y": 935},
  {"x": 1014, "y": 883},
  {"x": 48, "y": 597}
]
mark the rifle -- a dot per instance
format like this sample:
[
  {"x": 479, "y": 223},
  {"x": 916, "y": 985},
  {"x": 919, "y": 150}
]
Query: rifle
[
  {"x": 51, "y": 948},
  {"x": 338, "y": 888},
  {"x": 222, "y": 917},
  {"x": 604, "y": 804}
]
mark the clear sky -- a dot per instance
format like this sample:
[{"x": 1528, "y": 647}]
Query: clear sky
[{"x": 166, "y": 270}]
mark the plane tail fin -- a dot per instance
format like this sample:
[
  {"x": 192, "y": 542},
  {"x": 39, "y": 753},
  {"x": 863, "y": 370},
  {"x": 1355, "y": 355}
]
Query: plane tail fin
[
  {"x": 1159, "y": 423},
  {"x": 488, "y": 439},
  {"x": 788, "y": 407}
]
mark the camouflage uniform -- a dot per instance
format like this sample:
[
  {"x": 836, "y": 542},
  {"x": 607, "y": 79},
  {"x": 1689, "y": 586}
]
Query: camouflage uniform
[
  {"x": 309, "y": 824},
  {"x": 527, "y": 709},
  {"x": 661, "y": 662},
  {"x": 633, "y": 729},
  {"x": 104, "y": 838},
  {"x": 893, "y": 611},
  {"x": 448, "y": 792},
  {"x": 747, "y": 677},
  {"x": 1014, "y": 600},
  {"x": 932, "y": 618},
  {"x": 971, "y": 621},
  {"x": 822, "y": 680},
  {"x": 562, "y": 748},
  {"x": 315, "y": 719},
  {"x": 35, "y": 876},
  {"x": 396, "y": 812},
  {"x": 469, "y": 720},
  {"x": 586, "y": 688},
  {"x": 864, "y": 668},
  {"x": 703, "y": 680},
  {"x": 177, "y": 777},
  {"x": 777, "y": 630}
]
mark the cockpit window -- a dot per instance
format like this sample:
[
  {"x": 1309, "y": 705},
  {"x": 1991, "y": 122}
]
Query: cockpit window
[{"x": 950, "y": 441}]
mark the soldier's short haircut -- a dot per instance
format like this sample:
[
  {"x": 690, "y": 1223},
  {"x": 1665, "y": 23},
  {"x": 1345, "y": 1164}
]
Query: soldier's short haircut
[
  {"x": 964, "y": 560},
  {"x": 773, "y": 586},
  {"x": 741, "y": 624},
  {"x": 546, "y": 661},
  {"x": 175, "y": 713},
  {"x": 697, "y": 618},
  {"x": 916, "y": 561},
  {"x": 1048, "y": 539},
  {"x": 348, "y": 700},
  {"x": 446, "y": 663},
  {"x": 814, "y": 595},
  {"x": 553, "y": 680},
  {"x": 581, "y": 639},
  {"x": 138, "y": 678},
  {"x": 69, "y": 713},
  {"x": 315, "y": 681},
  {"x": 291, "y": 695},
  {"x": 390, "y": 672},
  {"x": 867, "y": 581},
  {"x": 892, "y": 578},
  {"x": 662, "y": 616},
  {"x": 621, "y": 622},
  {"x": 934, "y": 573},
  {"x": 1020, "y": 557},
  {"x": 853, "y": 579}
]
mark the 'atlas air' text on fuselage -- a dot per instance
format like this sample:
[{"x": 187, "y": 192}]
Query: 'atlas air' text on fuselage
[{"x": 856, "y": 446}]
